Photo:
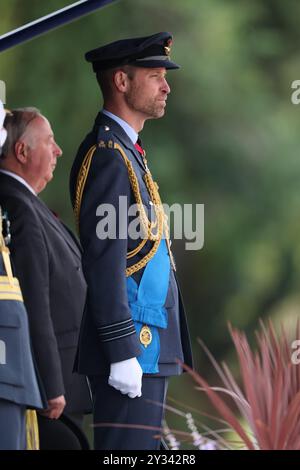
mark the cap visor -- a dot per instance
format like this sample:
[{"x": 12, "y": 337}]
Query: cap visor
[{"x": 166, "y": 64}]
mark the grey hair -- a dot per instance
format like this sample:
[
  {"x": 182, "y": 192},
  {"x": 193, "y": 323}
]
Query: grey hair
[{"x": 16, "y": 123}]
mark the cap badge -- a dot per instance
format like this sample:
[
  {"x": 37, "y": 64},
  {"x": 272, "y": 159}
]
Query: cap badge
[{"x": 167, "y": 48}]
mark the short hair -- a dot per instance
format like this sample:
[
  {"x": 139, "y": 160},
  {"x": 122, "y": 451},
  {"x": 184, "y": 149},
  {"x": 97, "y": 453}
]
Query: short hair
[
  {"x": 105, "y": 78},
  {"x": 16, "y": 122}
]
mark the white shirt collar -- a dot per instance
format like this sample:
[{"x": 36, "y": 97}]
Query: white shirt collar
[
  {"x": 18, "y": 178},
  {"x": 132, "y": 134}
]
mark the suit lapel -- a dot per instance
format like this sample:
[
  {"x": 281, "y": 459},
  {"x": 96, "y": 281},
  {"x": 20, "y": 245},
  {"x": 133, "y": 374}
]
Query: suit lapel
[{"x": 49, "y": 217}]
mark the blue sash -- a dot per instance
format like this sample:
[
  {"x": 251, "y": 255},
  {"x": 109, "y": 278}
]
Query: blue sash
[{"x": 147, "y": 301}]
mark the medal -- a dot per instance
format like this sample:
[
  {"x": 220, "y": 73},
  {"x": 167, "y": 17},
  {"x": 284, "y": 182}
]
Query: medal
[{"x": 145, "y": 335}]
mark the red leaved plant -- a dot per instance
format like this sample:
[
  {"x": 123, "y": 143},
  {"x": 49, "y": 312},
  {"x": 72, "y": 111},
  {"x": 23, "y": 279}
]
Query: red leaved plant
[{"x": 269, "y": 400}]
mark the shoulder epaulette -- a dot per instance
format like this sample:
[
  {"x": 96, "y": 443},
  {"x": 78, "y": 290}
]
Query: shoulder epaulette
[
  {"x": 104, "y": 140},
  {"x": 104, "y": 137}
]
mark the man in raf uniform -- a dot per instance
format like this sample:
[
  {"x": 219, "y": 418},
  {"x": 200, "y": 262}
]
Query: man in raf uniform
[{"x": 134, "y": 329}]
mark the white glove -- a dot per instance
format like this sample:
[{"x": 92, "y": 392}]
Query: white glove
[
  {"x": 126, "y": 376},
  {"x": 3, "y": 132}
]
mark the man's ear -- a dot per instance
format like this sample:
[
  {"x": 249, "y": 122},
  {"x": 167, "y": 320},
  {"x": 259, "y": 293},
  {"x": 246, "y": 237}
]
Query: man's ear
[
  {"x": 21, "y": 152},
  {"x": 121, "y": 80}
]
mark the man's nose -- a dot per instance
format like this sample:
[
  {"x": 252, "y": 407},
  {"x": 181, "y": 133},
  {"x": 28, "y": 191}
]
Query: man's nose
[
  {"x": 57, "y": 150},
  {"x": 166, "y": 88}
]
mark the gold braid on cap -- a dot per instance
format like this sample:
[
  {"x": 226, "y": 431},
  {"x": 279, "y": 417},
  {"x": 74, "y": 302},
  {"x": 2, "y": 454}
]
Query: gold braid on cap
[{"x": 152, "y": 231}]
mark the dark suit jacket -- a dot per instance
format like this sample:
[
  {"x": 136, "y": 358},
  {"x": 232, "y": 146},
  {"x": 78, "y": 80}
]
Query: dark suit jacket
[
  {"x": 47, "y": 262},
  {"x": 104, "y": 261}
]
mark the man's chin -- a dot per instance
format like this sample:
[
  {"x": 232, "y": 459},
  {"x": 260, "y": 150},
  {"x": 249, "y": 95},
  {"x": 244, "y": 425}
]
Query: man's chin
[
  {"x": 45, "y": 182},
  {"x": 161, "y": 113},
  {"x": 155, "y": 113},
  {"x": 158, "y": 113}
]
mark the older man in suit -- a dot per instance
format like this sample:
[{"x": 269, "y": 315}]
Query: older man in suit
[
  {"x": 19, "y": 387},
  {"x": 47, "y": 260}
]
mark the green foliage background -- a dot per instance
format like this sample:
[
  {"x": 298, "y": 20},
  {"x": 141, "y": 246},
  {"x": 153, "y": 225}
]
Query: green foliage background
[{"x": 229, "y": 140}]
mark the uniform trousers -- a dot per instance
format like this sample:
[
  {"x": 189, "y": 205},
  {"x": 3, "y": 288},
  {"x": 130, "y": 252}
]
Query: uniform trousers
[
  {"x": 131, "y": 419},
  {"x": 12, "y": 426}
]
